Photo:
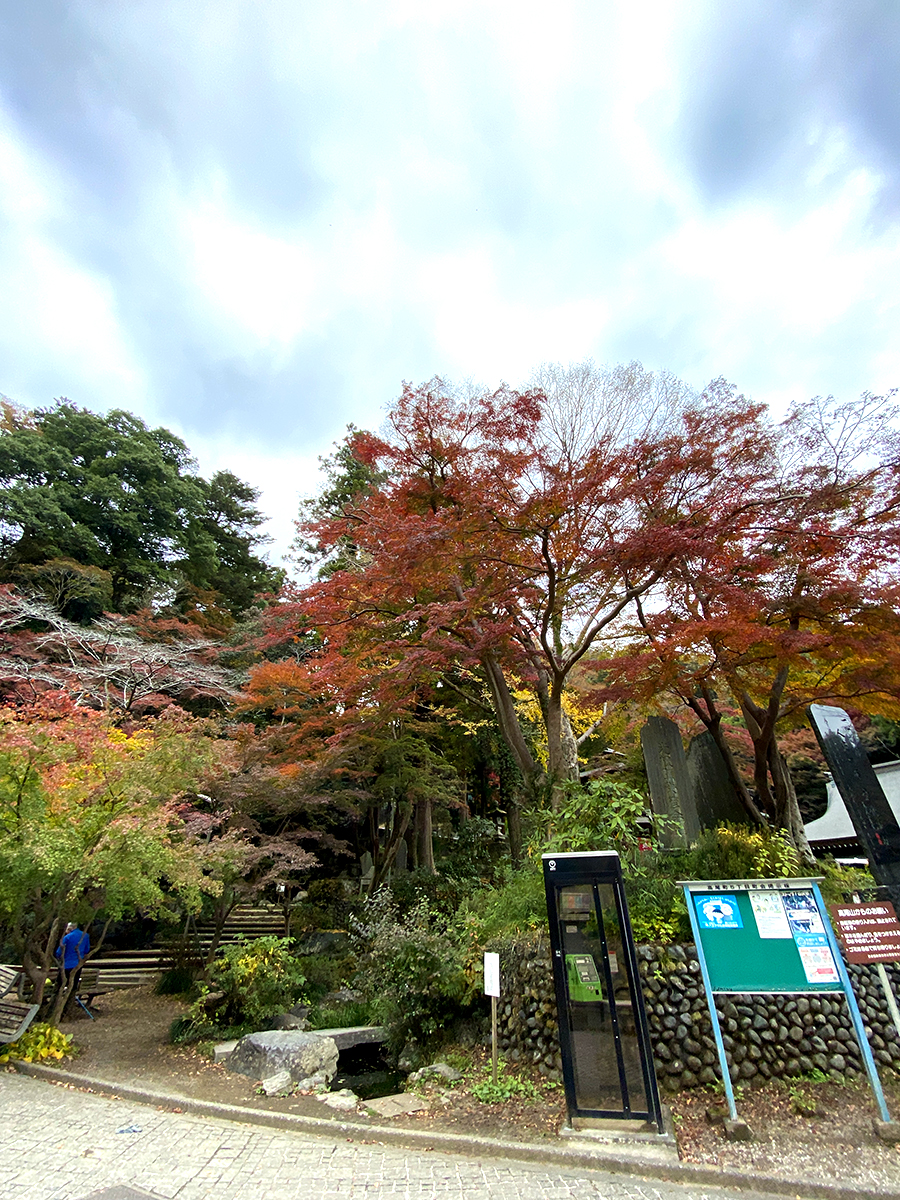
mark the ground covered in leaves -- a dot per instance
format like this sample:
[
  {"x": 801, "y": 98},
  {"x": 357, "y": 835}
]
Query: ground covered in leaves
[{"x": 820, "y": 1132}]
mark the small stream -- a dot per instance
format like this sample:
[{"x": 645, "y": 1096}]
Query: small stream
[{"x": 364, "y": 1070}]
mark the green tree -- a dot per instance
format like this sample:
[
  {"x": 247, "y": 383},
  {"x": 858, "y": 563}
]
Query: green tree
[
  {"x": 108, "y": 493},
  {"x": 232, "y": 520},
  {"x": 89, "y": 826}
]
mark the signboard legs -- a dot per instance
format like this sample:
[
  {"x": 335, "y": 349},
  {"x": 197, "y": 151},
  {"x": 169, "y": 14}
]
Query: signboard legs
[
  {"x": 713, "y": 1014},
  {"x": 492, "y": 989},
  {"x": 855, "y": 1015}
]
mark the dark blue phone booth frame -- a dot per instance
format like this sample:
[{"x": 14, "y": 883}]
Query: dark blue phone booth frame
[{"x": 607, "y": 1057}]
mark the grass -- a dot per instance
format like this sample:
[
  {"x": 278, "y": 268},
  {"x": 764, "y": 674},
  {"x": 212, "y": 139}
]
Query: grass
[{"x": 340, "y": 1016}]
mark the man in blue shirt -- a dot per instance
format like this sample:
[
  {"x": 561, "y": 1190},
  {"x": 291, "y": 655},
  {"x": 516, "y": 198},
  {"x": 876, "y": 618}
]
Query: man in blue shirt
[{"x": 72, "y": 950}]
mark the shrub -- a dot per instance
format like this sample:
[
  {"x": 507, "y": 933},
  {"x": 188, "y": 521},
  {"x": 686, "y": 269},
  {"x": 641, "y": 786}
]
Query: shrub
[
  {"x": 176, "y": 981},
  {"x": 38, "y": 1043},
  {"x": 742, "y": 852},
  {"x": 470, "y": 854},
  {"x": 410, "y": 970},
  {"x": 507, "y": 1087},
  {"x": 327, "y": 906},
  {"x": 515, "y": 907},
  {"x": 441, "y": 893},
  {"x": 603, "y": 815},
  {"x": 326, "y": 972},
  {"x": 257, "y": 979}
]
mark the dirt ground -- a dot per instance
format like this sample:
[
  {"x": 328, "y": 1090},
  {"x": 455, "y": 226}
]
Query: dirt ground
[{"x": 815, "y": 1132}]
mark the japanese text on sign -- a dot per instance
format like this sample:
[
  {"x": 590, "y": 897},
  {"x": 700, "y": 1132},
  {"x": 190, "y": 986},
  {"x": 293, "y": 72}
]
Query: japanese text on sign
[{"x": 869, "y": 933}]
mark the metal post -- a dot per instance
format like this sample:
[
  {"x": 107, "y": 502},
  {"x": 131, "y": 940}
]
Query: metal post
[
  {"x": 711, "y": 1001},
  {"x": 889, "y": 995},
  {"x": 494, "y": 1035},
  {"x": 855, "y": 1016}
]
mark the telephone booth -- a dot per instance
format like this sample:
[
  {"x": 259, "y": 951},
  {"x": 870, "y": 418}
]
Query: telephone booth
[{"x": 607, "y": 1059}]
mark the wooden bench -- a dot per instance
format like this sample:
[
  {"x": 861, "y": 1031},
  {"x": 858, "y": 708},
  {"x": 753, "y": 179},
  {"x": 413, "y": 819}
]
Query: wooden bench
[
  {"x": 15, "y": 1017},
  {"x": 97, "y": 981},
  {"x": 10, "y": 977}
]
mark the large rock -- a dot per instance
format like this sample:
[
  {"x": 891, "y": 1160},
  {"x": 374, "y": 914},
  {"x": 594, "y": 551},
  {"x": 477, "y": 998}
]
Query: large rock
[{"x": 261, "y": 1055}]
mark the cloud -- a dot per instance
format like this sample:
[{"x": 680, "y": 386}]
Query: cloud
[
  {"x": 251, "y": 221},
  {"x": 786, "y": 94}
]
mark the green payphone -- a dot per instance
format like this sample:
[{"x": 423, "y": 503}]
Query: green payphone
[{"x": 584, "y": 981}]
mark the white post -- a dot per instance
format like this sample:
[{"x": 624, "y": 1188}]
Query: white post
[{"x": 492, "y": 989}]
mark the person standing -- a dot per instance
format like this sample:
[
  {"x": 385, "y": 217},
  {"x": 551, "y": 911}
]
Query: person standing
[{"x": 73, "y": 949}]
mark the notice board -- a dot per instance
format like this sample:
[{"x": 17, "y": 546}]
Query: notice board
[
  {"x": 765, "y": 937},
  {"x": 768, "y": 936}
]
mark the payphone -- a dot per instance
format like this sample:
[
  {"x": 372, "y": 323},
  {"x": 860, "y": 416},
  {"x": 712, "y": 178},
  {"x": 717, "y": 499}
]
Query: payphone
[{"x": 606, "y": 1054}]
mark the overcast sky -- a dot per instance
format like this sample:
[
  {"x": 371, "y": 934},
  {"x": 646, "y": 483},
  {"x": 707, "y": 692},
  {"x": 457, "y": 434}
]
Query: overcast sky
[{"x": 250, "y": 220}]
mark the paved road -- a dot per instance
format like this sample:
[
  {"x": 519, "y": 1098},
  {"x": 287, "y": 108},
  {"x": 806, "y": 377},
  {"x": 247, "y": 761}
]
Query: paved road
[{"x": 61, "y": 1144}]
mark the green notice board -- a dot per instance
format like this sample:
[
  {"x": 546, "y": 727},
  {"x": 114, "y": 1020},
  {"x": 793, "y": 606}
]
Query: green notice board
[{"x": 768, "y": 939}]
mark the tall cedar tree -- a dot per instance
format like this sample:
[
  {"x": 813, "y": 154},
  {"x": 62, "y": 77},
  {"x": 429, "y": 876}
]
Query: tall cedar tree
[{"x": 124, "y": 504}]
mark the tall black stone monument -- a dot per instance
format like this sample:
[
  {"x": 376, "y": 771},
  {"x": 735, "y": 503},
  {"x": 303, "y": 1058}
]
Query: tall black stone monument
[
  {"x": 872, "y": 816},
  {"x": 670, "y": 787}
]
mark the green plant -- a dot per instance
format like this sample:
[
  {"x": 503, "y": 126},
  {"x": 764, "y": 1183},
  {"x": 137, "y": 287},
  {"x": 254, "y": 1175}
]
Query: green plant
[
  {"x": 603, "y": 815},
  {"x": 841, "y": 883},
  {"x": 257, "y": 979},
  {"x": 176, "y": 981},
  {"x": 410, "y": 970},
  {"x": 326, "y": 972},
  {"x": 340, "y": 1016},
  {"x": 198, "y": 1027},
  {"x": 816, "y": 1076},
  {"x": 519, "y": 905},
  {"x": 38, "y": 1043},
  {"x": 470, "y": 854},
  {"x": 740, "y": 852},
  {"x": 442, "y": 893},
  {"x": 507, "y": 1087},
  {"x": 802, "y": 1103}
]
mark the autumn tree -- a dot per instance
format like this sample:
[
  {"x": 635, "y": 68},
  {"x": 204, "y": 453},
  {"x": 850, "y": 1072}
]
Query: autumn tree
[
  {"x": 508, "y": 538},
  {"x": 89, "y": 825},
  {"x": 382, "y": 771},
  {"x": 798, "y": 606},
  {"x": 118, "y": 664}
]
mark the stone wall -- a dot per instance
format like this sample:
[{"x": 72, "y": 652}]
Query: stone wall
[{"x": 765, "y": 1036}]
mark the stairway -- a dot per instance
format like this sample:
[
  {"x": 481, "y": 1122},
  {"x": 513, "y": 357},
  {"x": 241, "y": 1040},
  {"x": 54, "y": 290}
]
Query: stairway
[{"x": 133, "y": 968}]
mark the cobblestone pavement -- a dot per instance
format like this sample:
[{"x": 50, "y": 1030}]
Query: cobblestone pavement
[{"x": 61, "y": 1144}]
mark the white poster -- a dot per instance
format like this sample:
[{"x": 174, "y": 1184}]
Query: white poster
[
  {"x": 817, "y": 959},
  {"x": 771, "y": 919}
]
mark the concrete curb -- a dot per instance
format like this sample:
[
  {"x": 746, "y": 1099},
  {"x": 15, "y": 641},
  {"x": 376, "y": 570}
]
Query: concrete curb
[{"x": 469, "y": 1146}]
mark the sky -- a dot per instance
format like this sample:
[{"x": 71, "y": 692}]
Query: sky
[{"x": 250, "y": 220}]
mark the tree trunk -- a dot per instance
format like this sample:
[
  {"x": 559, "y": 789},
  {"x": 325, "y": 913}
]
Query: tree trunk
[
  {"x": 562, "y": 749},
  {"x": 787, "y": 806},
  {"x": 412, "y": 849},
  {"x": 424, "y": 840},
  {"x": 508, "y": 720},
  {"x": 712, "y": 719},
  {"x": 224, "y": 909},
  {"x": 514, "y": 830},
  {"x": 37, "y": 975},
  {"x": 385, "y": 858},
  {"x": 70, "y": 978}
]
